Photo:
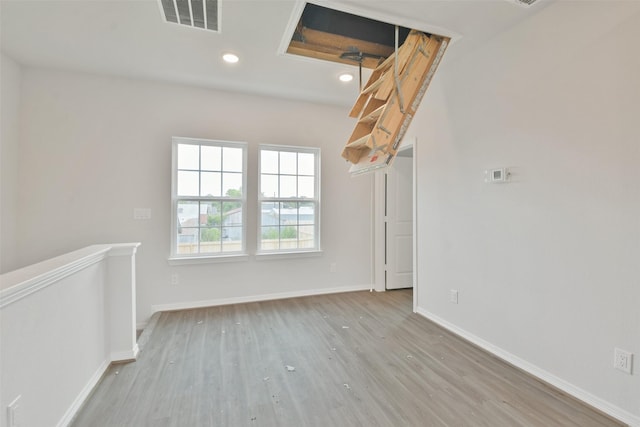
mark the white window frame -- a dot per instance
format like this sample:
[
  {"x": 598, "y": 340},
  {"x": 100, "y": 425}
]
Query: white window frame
[
  {"x": 175, "y": 199},
  {"x": 315, "y": 200}
]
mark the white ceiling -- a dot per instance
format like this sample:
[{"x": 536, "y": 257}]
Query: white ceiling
[{"x": 130, "y": 38}]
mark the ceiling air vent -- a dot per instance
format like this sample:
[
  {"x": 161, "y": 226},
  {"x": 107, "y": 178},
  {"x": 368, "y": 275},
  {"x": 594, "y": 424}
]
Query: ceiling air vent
[{"x": 204, "y": 14}]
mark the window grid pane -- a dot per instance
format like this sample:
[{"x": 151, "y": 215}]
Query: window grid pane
[
  {"x": 188, "y": 183},
  {"x": 211, "y": 158},
  {"x": 210, "y": 227},
  {"x": 210, "y": 183},
  {"x": 288, "y": 163},
  {"x": 231, "y": 184},
  {"x": 188, "y": 157},
  {"x": 213, "y": 222},
  {"x": 288, "y": 186},
  {"x": 269, "y": 185},
  {"x": 306, "y": 164},
  {"x": 306, "y": 187},
  {"x": 288, "y": 194},
  {"x": 231, "y": 159}
]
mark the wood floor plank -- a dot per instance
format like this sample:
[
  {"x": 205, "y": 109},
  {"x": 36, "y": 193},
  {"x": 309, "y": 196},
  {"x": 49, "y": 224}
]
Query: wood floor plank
[{"x": 357, "y": 359}]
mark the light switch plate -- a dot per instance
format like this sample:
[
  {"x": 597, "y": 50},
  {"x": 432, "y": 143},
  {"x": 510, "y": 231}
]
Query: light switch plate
[{"x": 141, "y": 213}]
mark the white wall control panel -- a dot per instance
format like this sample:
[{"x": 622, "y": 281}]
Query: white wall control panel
[
  {"x": 623, "y": 360},
  {"x": 496, "y": 175}
]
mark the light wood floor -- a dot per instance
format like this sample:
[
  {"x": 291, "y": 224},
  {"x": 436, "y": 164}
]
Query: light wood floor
[{"x": 360, "y": 359}]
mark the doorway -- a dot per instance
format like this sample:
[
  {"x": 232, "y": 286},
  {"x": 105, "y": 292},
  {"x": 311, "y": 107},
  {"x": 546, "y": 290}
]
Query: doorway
[
  {"x": 394, "y": 224},
  {"x": 399, "y": 221}
]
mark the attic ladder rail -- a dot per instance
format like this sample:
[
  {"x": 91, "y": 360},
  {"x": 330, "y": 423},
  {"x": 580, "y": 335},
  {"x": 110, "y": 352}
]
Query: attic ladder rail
[{"x": 382, "y": 121}]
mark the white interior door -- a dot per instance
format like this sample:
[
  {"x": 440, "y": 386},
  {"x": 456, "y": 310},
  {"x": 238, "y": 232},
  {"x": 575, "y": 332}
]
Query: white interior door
[{"x": 399, "y": 222}]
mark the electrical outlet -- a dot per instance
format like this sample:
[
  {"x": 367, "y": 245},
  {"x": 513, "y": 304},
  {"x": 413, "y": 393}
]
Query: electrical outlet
[
  {"x": 622, "y": 360},
  {"x": 333, "y": 267},
  {"x": 453, "y": 296},
  {"x": 13, "y": 413},
  {"x": 175, "y": 280}
]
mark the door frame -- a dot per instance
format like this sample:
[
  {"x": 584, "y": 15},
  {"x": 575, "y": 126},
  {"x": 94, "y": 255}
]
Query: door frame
[{"x": 379, "y": 217}]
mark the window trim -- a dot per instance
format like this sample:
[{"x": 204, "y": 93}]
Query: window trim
[
  {"x": 288, "y": 252},
  {"x": 176, "y": 258}
]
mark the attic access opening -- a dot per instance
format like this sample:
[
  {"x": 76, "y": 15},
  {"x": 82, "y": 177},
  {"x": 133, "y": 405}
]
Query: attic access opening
[
  {"x": 403, "y": 62},
  {"x": 336, "y": 36}
]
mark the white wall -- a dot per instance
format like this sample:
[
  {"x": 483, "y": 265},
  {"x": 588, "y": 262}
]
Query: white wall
[
  {"x": 93, "y": 148},
  {"x": 547, "y": 266},
  {"x": 10, "y": 74}
]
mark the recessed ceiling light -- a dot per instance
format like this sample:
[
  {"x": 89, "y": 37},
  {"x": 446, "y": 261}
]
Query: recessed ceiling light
[
  {"x": 230, "y": 58},
  {"x": 346, "y": 77}
]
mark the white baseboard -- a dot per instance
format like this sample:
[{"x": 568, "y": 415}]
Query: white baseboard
[
  {"x": 141, "y": 325},
  {"x": 255, "y": 298},
  {"x": 125, "y": 356},
  {"x": 84, "y": 393},
  {"x": 597, "y": 402}
]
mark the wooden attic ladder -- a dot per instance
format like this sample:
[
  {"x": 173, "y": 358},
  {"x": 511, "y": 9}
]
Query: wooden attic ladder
[{"x": 389, "y": 101}]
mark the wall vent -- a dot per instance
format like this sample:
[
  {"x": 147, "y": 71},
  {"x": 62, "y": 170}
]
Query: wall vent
[{"x": 204, "y": 14}]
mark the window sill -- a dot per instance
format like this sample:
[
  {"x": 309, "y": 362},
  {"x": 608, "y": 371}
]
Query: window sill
[
  {"x": 264, "y": 256},
  {"x": 208, "y": 259}
]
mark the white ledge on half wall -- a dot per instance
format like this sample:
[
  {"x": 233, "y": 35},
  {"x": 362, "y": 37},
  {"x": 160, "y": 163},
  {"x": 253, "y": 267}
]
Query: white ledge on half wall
[{"x": 19, "y": 283}]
